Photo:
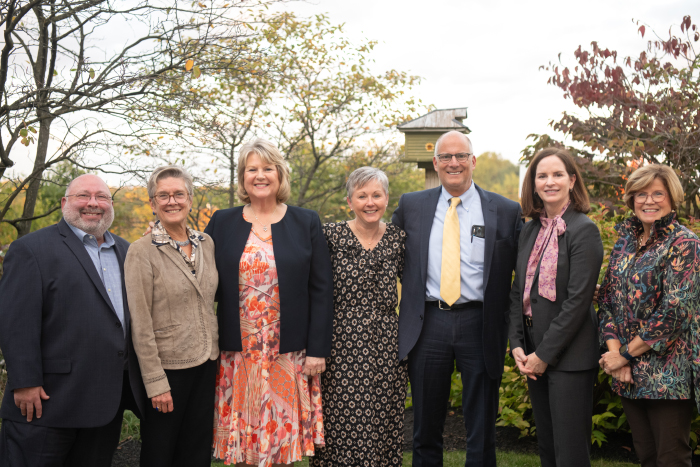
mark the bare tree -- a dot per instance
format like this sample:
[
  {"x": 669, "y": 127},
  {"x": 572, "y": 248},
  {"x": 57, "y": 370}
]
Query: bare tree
[{"x": 67, "y": 88}]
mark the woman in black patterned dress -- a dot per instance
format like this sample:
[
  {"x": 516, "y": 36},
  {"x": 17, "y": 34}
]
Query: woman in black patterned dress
[{"x": 364, "y": 385}]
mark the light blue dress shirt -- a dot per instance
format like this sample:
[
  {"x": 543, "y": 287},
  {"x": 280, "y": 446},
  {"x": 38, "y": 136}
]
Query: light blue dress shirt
[
  {"x": 104, "y": 257},
  {"x": 471, "y": 248}
]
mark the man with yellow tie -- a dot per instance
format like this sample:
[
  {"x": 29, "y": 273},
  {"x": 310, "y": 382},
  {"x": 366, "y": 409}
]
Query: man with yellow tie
[{"x": 461, "y": 249}]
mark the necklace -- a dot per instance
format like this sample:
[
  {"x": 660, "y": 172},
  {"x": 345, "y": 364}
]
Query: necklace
[
  {"x": 371, "y": 240},
  {"x": 179, "y": 243},
  {"x": 256, "y": 217}
]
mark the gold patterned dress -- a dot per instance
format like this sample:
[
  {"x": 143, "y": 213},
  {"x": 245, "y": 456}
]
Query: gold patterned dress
[{"x": 267, "y": 411}]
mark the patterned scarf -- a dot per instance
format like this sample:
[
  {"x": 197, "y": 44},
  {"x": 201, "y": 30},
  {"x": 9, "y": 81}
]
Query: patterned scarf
[{"x": 547, "y": 247}]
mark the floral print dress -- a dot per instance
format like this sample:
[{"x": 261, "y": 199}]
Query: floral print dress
[
  {"x": 267, "y": 411},
  {"x": 652, "y": 292}
]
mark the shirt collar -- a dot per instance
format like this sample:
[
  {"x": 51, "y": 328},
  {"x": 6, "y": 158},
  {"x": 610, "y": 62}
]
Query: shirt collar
[
  {"x": 467, "y": 197},
  {"x": 160, "y": 236},
  {"x": 109, "y": 240}
]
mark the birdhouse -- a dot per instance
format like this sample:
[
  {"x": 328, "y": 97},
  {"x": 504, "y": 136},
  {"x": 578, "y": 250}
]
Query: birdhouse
[{"x": 422, "y": 133}]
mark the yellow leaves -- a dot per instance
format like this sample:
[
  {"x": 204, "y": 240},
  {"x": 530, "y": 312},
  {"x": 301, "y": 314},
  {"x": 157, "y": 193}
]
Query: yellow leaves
[{"x": 190, "y": 66}]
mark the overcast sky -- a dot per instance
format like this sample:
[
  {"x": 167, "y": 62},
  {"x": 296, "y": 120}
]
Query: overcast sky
[{"x": 485, "y": 55}]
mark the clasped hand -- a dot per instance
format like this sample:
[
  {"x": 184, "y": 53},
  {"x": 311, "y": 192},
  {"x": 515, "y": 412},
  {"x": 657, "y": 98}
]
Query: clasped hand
[
  {"x": 530, "y": 365},
  {"x": 616, "y": 365}
]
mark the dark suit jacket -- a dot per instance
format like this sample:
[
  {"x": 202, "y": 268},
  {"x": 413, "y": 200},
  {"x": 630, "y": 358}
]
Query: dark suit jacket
[
  {"x": 502, "y": 220},
  {"x": 58, "y": 330},
  {"x": 564, "y": 331},
  {"x": 304, "y": 274}
]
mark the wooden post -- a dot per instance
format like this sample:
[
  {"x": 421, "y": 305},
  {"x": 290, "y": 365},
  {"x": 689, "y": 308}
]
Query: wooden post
[{"x": 431, "y": 176}]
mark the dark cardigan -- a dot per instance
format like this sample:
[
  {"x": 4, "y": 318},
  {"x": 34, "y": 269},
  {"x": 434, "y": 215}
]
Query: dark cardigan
[{"x": 304, "y": 272}]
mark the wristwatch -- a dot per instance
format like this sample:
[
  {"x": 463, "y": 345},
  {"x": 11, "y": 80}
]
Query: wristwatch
[{"x": 624, "y": 351}]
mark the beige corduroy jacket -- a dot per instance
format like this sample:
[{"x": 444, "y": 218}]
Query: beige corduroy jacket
[{"x": 173, "y": 325}]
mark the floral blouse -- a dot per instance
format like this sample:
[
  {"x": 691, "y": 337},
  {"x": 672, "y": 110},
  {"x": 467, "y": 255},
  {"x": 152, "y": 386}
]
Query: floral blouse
[{"x": 653, "y": 293}]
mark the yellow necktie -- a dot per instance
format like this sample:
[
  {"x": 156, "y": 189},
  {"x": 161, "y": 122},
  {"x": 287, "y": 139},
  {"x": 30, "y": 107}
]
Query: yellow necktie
[{"x": 450, "y": 283}]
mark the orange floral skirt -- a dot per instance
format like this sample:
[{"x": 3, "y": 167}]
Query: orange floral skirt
[{"x": 267, "y": 411}]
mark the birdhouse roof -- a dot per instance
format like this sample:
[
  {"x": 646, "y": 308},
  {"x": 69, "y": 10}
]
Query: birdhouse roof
[{"x": 438, "y": 120}]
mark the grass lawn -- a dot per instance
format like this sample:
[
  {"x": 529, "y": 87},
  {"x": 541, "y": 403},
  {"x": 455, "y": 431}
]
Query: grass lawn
[{"x": 504, "y": 459}]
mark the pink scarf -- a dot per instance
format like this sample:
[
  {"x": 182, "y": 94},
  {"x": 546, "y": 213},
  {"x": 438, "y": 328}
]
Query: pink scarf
[{"x": 547, "y": 247}]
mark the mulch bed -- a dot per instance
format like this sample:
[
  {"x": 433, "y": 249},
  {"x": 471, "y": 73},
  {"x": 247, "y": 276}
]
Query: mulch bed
[{"x": 618, "y": 448}]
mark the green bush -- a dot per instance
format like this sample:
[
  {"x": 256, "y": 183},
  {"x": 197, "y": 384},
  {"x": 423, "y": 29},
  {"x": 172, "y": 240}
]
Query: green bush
[{"x": 515, "y": 408}]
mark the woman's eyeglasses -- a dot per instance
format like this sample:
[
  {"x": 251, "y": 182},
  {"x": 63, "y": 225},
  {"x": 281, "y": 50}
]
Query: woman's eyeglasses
[{"x": 656, "y": 197}]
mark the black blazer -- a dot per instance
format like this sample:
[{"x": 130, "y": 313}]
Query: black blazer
[
  {"x": 502, "y": 220},
  {"x": 58, "y": 330},
  {"x": 565, "y": 332},
  {"x": 304, "y": 274}
]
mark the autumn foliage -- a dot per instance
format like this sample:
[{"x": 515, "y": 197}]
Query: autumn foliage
[{"x": 635, "y": 110}]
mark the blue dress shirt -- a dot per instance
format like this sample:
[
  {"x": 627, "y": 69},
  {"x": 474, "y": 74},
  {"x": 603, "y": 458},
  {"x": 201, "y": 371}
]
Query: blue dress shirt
[
  {"x": 471, "y": 248},
  {"x": 104, "y": 257}
]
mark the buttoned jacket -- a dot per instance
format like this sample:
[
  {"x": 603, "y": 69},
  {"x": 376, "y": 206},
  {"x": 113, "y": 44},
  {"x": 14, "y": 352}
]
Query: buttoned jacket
[
  {"x": 59, "y": 330},
  {"x": 502, "y": 223},
  {"x": 172, "y": 310},
  {"x": 565, "y": 330}
]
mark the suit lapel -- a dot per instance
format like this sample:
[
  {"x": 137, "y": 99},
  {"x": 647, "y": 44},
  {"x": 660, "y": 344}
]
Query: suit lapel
[
  {"x": 490, "y": 211},
  {"x": 76, "y": 246},
  {"x": 426, "y": 218},
  {"x": 527, "y": 249}
]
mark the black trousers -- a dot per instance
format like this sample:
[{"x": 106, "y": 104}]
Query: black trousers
[
  {"x": 562, "y": 402},
  {"x": 27, "y": 445},
  {"x": 183, "y": 437},
  {"x": 660, "y": 431},
  {"x": 450, "y": 336}
]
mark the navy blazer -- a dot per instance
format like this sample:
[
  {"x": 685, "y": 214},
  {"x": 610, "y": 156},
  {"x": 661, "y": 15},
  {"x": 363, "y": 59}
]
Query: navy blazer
[
  {"x": 502, "y": 221},
  {"x": 304, "y": 274},
  {"x": 59, "y": 330},
  {"x": 565, "y": 331}
]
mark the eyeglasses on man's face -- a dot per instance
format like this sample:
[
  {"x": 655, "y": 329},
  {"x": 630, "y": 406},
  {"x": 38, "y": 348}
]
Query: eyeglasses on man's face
[
  {"x": 85, "y": 197},
  {"x": 164, "y": 198},
  {"x": 445, "y": 158},
  {"x": 657, "y": 197}
]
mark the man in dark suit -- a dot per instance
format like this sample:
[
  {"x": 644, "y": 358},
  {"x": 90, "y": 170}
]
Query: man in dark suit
[
  {"x": 64, "y": 333},
  {"x": 461, "y": 249}
]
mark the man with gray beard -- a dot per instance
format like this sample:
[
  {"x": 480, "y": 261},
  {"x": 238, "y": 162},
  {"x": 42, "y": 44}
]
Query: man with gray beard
[{"x": 65, "y": 336}]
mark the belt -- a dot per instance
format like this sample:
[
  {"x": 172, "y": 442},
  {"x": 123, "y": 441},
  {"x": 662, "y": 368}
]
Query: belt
[
  {"x": 528, "y": 321},
  {"x": 457, "y": 306}
]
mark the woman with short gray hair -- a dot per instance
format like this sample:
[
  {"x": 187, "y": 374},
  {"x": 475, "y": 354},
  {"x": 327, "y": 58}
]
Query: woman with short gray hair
[
  {"x": 171, "y": 277},
  {"x": 364, "y": 386}
]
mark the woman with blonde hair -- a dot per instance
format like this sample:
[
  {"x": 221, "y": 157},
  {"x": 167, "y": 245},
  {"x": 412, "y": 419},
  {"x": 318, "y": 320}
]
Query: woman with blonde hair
[
  {"x": 275, "y": 317},
  {"x": 647, "y": 309}
]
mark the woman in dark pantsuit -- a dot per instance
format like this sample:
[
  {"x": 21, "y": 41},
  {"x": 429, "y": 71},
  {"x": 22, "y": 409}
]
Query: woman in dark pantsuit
[{"x": 553, "y": 331}]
